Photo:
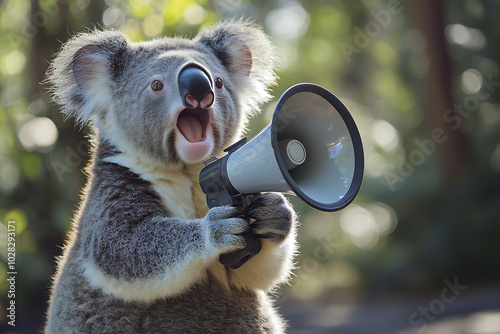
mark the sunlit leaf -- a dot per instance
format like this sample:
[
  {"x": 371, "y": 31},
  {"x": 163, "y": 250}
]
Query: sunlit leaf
[
  {"x": 19, "y": 219},
  {"x": 31, "y": 166}
]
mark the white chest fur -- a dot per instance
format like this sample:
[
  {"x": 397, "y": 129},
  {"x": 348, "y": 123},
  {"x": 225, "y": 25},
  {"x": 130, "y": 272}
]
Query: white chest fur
[
  {"x": 177, "y": 189},
  {"x": 176, "y": 192}
]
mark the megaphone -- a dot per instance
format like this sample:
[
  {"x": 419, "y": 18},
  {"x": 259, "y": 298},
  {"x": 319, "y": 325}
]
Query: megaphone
[{"x": 311, "y": 148}]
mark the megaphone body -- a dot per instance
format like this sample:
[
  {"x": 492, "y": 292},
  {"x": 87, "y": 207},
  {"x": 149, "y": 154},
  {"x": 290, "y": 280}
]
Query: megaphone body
[{"x": 311, "y": 148}]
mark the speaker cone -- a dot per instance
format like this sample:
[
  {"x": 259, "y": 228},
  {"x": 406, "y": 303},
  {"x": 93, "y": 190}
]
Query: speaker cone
[{"x": 331, "y": 175}]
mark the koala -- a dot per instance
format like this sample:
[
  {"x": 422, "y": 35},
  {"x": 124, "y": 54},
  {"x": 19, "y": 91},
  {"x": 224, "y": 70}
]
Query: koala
[{"x": 142, "y": 255}]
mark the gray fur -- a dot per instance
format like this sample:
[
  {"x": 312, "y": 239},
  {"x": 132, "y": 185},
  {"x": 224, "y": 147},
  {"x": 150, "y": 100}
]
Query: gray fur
[{"x": 142, "y": 256}]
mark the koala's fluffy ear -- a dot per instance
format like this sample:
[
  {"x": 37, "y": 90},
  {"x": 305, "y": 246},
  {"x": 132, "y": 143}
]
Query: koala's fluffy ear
[
  {"x": 82, "y": 72},
  {"x": 245, "y": 50}
]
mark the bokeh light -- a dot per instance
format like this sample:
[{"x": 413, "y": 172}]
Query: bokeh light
[{"x": 37, "y": 133}]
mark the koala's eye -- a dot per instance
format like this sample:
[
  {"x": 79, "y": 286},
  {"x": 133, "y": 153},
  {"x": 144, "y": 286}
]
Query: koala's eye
[
  {"x": 218, "y": 83},
  {"x": 157, "y": 85}
]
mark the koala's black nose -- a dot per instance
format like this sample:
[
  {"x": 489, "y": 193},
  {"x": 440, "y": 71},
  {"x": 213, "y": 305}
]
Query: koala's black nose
[{"x": 195, "y": 87}]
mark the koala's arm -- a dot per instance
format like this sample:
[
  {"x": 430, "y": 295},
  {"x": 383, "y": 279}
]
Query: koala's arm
[
  {"x": 136, "y": 251},
  {"x": 276, "y": 222}
]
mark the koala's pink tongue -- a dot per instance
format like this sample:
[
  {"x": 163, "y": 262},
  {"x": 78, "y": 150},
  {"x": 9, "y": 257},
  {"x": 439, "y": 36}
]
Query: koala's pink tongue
[{"x": 191, "y": 128}]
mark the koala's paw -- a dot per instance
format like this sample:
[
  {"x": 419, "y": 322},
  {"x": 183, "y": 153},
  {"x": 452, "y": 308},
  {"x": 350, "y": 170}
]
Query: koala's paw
[
  {"x": 273, "y": 216},
  {"x": 226, "y": 226}
]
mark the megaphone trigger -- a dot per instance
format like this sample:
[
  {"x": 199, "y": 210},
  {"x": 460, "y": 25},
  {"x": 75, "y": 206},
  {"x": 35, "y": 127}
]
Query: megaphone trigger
[{"x": 235, "y": 259}]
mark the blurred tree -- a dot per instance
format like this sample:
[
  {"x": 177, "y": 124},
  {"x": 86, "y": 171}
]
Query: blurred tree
[{"x": 430, "y": 19}]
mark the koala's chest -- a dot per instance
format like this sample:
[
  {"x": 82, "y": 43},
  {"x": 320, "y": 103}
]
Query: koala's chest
[
  {"x": 180, "y": 195},
  {"x": 179, "y": 191}
]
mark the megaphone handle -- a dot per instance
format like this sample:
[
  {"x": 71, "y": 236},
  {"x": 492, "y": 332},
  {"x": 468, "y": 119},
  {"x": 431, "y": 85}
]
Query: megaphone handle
[{"x": 237, "y": 258}]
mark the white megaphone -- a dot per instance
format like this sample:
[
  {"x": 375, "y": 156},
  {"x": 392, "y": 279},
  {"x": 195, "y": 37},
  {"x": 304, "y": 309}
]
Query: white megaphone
[{"x": 311, "y": 147}]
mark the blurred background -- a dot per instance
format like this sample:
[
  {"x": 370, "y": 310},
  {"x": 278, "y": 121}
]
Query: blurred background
[{"x": 418, "y": 251}]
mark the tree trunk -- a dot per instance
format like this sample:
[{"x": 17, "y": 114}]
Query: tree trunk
[{"x": 429, "y": 18}]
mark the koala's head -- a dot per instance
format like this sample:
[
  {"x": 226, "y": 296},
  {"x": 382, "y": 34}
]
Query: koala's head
[{"x": 177, "y": 100}]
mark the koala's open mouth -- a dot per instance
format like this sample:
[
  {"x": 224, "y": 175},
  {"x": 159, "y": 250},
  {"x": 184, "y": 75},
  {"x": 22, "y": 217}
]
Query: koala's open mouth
[
  {"x": 194, "y": 135},
  {"x": 193, "y": 123}
]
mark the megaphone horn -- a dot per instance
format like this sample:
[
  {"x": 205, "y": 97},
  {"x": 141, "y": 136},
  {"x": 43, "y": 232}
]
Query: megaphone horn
[{"x": 311, "y": 147}]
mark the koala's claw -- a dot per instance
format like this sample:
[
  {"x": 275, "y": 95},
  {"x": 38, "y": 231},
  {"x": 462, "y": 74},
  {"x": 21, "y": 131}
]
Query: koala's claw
[
  {"x": 223, "y": 212},
  {"x": 266, "y": 199},
  {"x": 275, "y": 229},
  {"x": 273, "y": 216},
  {"x": 226, "y": 227}
]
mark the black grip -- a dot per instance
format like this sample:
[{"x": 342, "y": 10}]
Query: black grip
[
  {"x": 215, "y": 183},
  {"x": 237, "y": 258}
]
